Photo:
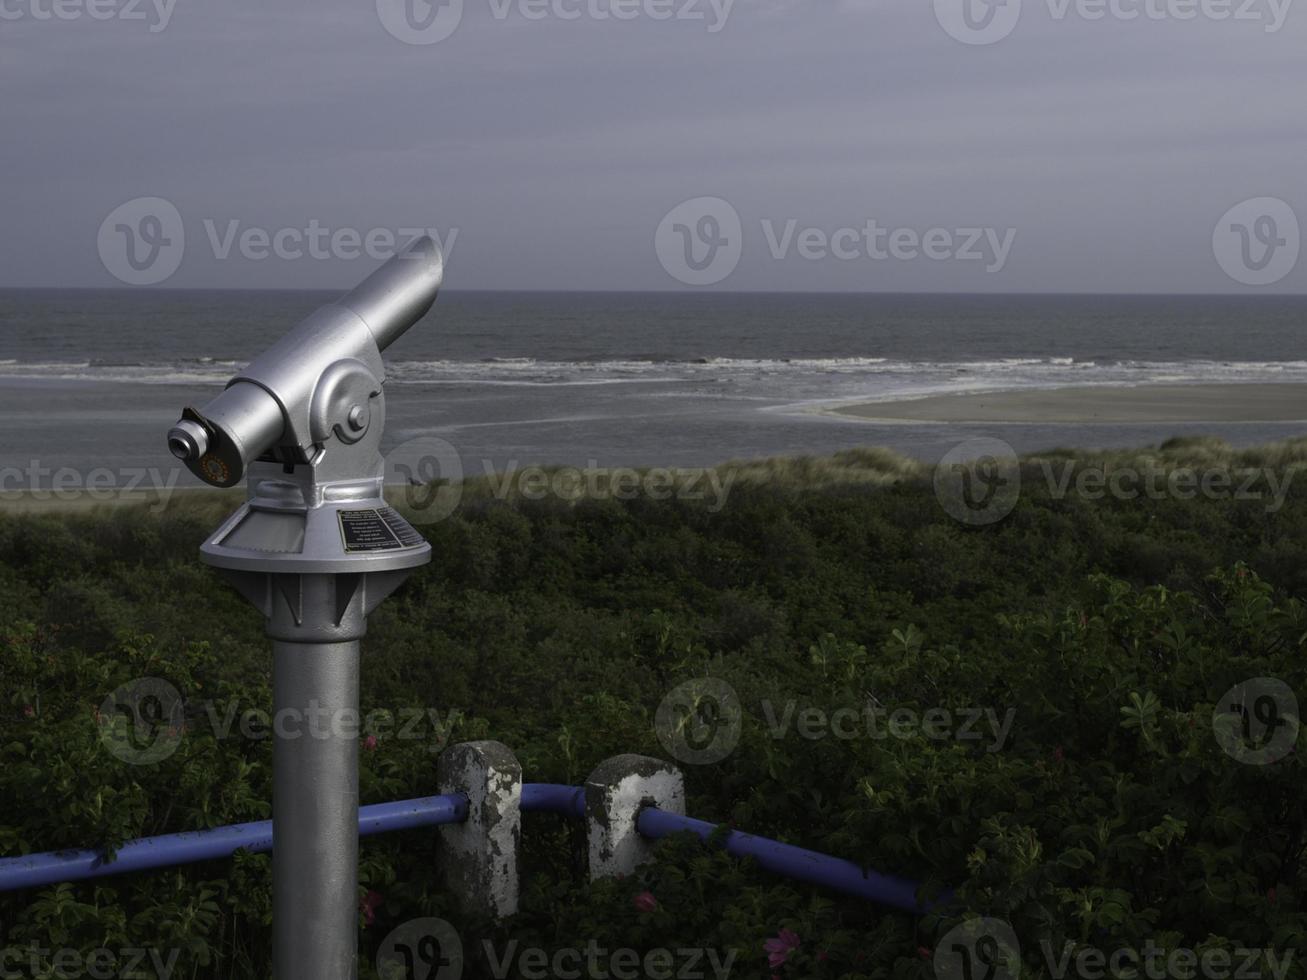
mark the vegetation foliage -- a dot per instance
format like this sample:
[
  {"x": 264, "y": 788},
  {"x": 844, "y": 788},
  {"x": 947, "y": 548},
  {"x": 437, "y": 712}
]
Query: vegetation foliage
[{"x": 1109, "y": 817}]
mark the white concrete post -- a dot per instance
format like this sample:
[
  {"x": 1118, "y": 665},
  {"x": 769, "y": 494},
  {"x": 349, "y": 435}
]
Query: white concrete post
[
  {"x": 479, "y": 856},
  {"x": 614, "y": 794}
]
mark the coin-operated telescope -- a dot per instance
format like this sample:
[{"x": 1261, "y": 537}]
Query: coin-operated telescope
[{"x": 315, "y": 548}]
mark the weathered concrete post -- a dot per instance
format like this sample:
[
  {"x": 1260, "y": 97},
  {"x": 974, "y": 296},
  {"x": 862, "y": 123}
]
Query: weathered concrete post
[
  {"x": 614, "y": 795},
  {"x": 478, "y": 857}
]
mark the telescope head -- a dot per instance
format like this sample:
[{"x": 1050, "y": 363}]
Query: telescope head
[{"x": 314, "y": 398}]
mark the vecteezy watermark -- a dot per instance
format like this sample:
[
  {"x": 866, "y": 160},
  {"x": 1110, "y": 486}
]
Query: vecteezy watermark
[
  {"x": 596, "y": 962},
  {"x": 141, "y": 722},
  {"x": 978, "y": 21},
  {"x": 431, "y": 949},
  {"x": 1257, "y": 242},
  {"x": 1098, "y": 481},
  {"x": 979, "y": 481},
  {"x": 420, "y": 22},
  {"x": 432, "y": 473},
  {"x": 988, "y": 948},
  {"x": 1157, "y": 962},
  {"x": 1256, "y": 722},
  {"x": 872, "y": 241},
  {"x": 36, "y": 960},
  {"x": 155, "y": 14},
  {"x": 877, "y": 722},
  {"x": 421, "y": 949},
  {"x": 430, "y": 470},
  {"x": 143, "y": 242},
  {"x": 699, "y": 721},
  {"x": 981, "y": 22},
  {"x": 423, "y": 22},
  {"x": 700, "y": 242},
  {"x": 978, "y": 948},
  {"x": 37, "y": 481},
  {"x": 144, "y": 721}
]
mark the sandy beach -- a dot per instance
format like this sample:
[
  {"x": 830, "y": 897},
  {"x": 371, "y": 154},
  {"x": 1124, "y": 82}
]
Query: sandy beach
[{"x": 1099, "y": 404}]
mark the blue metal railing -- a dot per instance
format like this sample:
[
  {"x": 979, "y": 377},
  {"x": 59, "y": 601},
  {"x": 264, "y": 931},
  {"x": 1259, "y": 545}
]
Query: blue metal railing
[
  {"x": 795, "y": 862},
  {"x": 149, "y": 853}
]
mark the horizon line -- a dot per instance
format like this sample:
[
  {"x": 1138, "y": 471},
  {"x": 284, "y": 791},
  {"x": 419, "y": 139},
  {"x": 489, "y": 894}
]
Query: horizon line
[{"x": 154, "y": 290}]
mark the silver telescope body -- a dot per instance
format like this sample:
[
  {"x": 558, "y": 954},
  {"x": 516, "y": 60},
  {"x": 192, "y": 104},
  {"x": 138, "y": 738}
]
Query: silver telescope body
[
  {"x": 321, "y": 382},
  {"x": 315, "y": 548}
]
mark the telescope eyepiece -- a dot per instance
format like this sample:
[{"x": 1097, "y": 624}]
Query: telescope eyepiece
[{"x": 187, "y": 441}]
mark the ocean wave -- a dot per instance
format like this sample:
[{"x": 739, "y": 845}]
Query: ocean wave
[{"x": 529, "y": 371}]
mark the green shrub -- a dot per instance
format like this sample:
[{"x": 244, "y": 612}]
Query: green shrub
[{"x": 1107, "y": 816}]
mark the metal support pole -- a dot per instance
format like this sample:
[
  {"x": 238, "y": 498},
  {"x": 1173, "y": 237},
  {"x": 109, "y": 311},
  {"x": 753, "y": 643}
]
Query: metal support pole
[
  {"x": 315, "y": 798},
  {"x": 315, "y": 621}
]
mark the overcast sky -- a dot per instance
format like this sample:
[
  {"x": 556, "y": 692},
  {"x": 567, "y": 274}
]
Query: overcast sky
[{"x": 553, "y": 148}]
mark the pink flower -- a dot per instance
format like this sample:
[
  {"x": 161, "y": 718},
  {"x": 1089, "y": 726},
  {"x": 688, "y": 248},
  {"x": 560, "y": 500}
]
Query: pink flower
[
  {"x": 645, "y": 902},
  {"x": 778, "y": 950},
  {"x": 368, "y": 906},
  {"x": 1058, "y": 755},
  {"x": 29, "y": 711},
  {"x": 923, "y": 952},
  {"x": 370, "y": 743}
]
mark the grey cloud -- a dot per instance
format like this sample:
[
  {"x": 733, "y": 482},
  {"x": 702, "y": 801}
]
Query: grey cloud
[{"x": 555, "y": 148}]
